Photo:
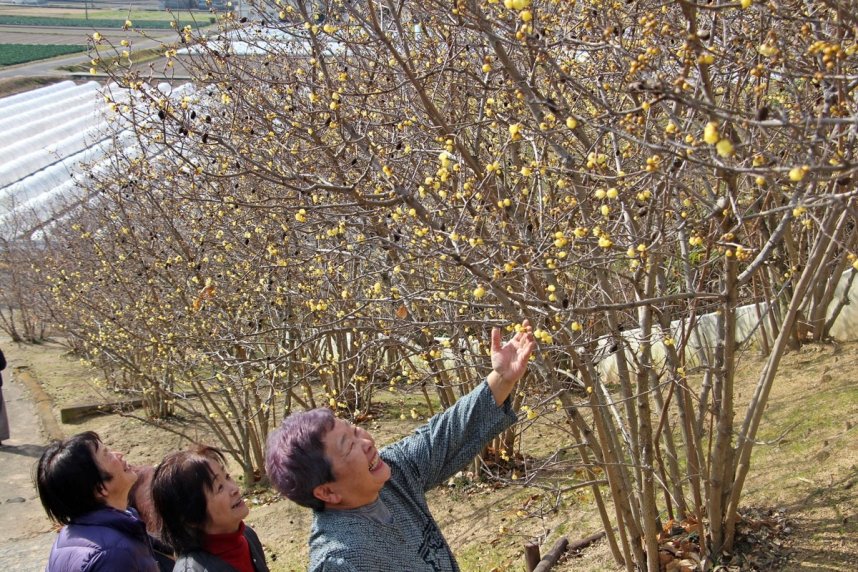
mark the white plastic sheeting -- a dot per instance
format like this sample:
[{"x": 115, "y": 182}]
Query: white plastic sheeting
[
  {"x": 29, "y": 96},
  {"x": 46, "y": 136},
  {"x": 751, "y": 324},
  {"x": 261, "y": 40}
]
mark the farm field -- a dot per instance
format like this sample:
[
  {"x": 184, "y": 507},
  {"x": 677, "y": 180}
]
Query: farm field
[
  {"x": 31, "y": 34},
  {"x": 803, "y": 480},
  {"x": 139, "y": 12},
  {"x": 60, "y": 26},
  {"x": 11, "y": 54}
]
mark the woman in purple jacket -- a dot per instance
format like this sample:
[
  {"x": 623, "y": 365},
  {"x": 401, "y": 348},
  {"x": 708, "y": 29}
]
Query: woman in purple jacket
[{"x": 84, "y": 485}]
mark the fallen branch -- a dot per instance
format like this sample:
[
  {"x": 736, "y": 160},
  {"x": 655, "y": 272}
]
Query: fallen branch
[
  {"x": 553, "y": 556},
  {"x": 561, "y": 547}
]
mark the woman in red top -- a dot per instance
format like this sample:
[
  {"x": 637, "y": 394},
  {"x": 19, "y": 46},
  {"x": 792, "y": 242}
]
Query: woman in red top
[{"x": 202, "y": 514}]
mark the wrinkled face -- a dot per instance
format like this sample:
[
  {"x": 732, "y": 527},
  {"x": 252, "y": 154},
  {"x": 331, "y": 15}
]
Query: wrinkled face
[
  {"x": 119, "y": 479},
  {"x": 224, "y": 506},
  {"x": 359, "y": 472}
]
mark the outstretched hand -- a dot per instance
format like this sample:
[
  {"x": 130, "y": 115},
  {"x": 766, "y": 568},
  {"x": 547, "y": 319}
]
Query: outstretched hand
[{"x": 509, "y": 361}]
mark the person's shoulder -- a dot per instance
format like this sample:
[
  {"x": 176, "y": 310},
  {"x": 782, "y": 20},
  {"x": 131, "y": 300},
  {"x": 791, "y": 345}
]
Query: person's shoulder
[
  {"x": 250, "y": 534},
  {"x": 334, "y": 535},
  {"x": 343, "y": 543},
  {"x": 71, "y": 551},
  {"x": 120, "y": 558}
]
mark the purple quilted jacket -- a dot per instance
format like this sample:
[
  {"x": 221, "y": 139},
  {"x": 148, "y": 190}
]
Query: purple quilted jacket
[{"x": 104, "y": 540}]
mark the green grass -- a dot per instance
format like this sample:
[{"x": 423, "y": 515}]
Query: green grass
[
  {"x": 11, "y": 54},
  {"x": 100, "y": 24},
  {"x": 138, "y": 15}
]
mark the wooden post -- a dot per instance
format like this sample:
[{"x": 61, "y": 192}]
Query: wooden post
[
  {"x": 553, "y": 555},
  {"x": 531, "y": 556}
]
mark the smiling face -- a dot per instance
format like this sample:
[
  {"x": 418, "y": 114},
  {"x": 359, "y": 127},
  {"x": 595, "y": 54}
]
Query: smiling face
[
  {"x": 119, "y": 476},
  {"x": 359, "y": 472},
  {"x": 224, "y": 506}
]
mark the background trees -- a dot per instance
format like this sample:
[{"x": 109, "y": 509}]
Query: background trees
[{"x": 358, "y": 197}]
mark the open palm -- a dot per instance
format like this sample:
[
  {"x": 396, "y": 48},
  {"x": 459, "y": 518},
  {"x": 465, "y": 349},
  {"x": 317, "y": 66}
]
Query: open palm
[{"x": 510, "y": 359}]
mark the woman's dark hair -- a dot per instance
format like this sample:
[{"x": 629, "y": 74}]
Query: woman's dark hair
[
  {"x": 179, "y": 492},
  {"x": 69, "y": 479}
]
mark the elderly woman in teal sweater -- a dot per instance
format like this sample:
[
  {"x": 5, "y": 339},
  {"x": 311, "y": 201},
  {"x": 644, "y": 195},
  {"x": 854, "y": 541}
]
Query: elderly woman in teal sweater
[{"x": 370, "y": 510}]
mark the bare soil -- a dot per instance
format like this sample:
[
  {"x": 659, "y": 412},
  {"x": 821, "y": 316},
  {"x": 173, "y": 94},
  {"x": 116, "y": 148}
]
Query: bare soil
[{"x": 801, "y": 498}]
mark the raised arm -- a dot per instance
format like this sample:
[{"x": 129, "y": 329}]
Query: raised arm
[
  {"x": 452, "y": 438},
  {"x": 509, "y": 361}
]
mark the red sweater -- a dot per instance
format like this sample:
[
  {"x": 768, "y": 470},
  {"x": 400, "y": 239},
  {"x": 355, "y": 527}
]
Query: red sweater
[{"x": 232, "y": 548}]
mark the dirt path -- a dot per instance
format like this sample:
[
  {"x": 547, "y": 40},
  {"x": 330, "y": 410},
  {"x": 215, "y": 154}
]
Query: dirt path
[{"x": 27, "y": 533}]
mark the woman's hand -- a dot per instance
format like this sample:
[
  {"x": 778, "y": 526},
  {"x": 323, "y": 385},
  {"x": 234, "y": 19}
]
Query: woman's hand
[{"x": 509, "y": 361}]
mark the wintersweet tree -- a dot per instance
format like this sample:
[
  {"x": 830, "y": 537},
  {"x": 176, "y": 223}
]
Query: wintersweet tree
[
  {"x": 22, "y": 312},
  {"x": 357, "y": 196}
]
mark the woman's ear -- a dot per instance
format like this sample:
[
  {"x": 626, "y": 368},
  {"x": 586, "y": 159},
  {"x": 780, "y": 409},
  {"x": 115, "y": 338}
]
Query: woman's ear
[
  {"x": 326, "y": 494},
  {"x": 101, "y": 493}
]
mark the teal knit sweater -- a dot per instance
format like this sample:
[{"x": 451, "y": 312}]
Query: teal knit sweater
[{"x": 349, "y": 542}]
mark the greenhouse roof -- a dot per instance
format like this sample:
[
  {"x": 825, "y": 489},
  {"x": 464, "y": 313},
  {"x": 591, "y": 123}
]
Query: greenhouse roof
[
  {"x": 45, "y": 135},
  {"x": 48, "y": 136}
]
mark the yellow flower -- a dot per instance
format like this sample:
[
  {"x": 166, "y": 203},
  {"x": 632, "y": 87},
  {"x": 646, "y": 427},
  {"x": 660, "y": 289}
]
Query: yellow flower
[
  {"x": 797, "y": 173},
  {"x": 710, "y": 133},
  {"x": 767, "y": 50},
  {"x": 724, "y": 147}
]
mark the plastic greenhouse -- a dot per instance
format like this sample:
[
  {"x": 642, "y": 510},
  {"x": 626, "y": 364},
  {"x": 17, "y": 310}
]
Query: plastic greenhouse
[{"x": 48, "y": 137}]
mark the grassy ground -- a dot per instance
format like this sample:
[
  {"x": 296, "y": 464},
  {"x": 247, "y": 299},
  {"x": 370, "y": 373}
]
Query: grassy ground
[
  {"x": 101, "y": 23},
  {"x": 74, "y": 13},
  {"x": 11, "y": 54},
  {"x": 103, "y": 20},
  {"x": 805, "y": 465}
]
